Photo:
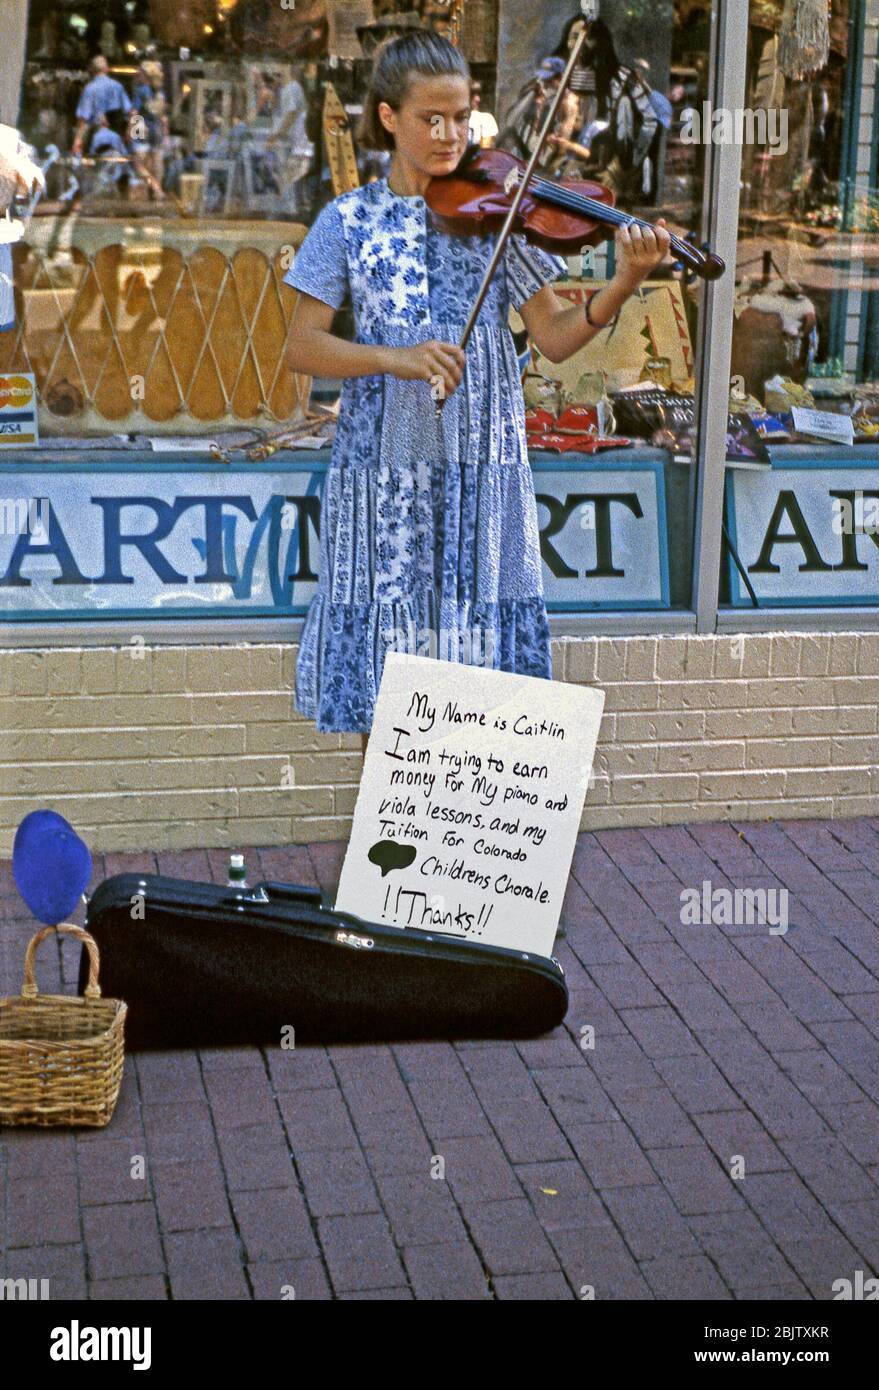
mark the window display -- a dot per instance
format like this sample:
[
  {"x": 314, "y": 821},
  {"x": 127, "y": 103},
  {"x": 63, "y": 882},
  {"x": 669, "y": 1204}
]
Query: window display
[
  {"x": 185, "y": 151},
  {"x": 805, "y": 365},
  {"x": 808, "y": 234}
]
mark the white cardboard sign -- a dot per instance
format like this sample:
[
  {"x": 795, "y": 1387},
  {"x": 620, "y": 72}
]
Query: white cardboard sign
[{"x": 470, "y": 802}]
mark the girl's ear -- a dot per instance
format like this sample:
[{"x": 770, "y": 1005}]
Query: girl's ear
[{"x": 387, "y": 115}]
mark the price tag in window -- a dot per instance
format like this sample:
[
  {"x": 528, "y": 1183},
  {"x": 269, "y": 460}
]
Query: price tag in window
[{"x": 824, "y": 424}]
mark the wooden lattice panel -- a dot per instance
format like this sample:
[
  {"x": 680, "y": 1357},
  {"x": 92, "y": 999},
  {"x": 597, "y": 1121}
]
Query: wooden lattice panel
[{"x": 151, "y": 327}]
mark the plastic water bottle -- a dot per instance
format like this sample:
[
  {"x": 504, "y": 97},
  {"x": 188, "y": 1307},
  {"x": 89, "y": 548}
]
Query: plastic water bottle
[{"x": 237, "y": 872}]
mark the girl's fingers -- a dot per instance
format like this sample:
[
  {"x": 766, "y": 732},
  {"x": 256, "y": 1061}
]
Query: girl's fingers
[
  {"x": 447, "y": 376},
  {"x": 443, "y": 363},
  {"x": 453, "y": 361},
  {"x": 452, "y": 349}
]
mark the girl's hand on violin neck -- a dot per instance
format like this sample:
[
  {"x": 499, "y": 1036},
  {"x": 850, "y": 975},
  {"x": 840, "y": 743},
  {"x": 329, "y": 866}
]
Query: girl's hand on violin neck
[
  {"x": 434, "y": 361},
  {"x": 639, "y": 250}
]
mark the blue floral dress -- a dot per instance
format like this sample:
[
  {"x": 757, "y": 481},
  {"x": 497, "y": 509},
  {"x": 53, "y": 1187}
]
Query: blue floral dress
[{"x": 428, "y": 533}]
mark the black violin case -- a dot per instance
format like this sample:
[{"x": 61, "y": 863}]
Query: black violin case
[{"x": 202, "y": 965}]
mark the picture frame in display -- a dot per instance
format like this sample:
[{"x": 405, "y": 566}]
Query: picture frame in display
[
  {"x": 212, "y": 96},
  {"x": 182, "y": 76},
  {"x": 259, "y": 118},
  {"x": 218, "y": 186},
  {"x": 263, "y": 187}
]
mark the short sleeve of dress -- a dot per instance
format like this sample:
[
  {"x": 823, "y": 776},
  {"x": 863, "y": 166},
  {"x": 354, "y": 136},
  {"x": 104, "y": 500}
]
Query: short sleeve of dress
[
  {"x": 529, "y": 268},
  {"x": 320, "y": 265}
]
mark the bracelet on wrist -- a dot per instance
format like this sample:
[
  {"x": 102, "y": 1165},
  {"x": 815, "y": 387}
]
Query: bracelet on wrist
[{"x": 588, "y": 312}]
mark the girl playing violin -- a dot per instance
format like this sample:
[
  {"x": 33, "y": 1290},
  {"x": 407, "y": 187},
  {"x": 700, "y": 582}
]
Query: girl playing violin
[{"x": 429, "y": 539}]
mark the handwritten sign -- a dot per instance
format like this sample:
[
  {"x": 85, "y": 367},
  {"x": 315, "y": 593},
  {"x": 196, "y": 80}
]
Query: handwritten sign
[{"x": 470, "y": 802}]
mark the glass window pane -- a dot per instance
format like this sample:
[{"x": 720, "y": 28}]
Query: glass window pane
[{"x": 805, "y": 358}]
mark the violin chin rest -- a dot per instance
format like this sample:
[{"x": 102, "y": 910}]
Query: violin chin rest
[{"x": 468, "y": 167}]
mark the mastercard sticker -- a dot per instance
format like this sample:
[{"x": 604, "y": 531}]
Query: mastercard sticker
[{"x": 18, "y": 411}]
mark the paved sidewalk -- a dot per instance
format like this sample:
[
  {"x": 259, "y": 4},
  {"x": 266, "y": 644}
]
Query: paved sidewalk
[{"x": 716, "y": 1049}]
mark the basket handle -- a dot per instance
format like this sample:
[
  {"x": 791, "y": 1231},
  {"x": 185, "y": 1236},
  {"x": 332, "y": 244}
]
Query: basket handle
[{"x": 92, "y": 989}]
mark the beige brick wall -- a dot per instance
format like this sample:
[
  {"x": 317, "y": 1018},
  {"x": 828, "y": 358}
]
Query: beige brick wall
[{"x": 201, "y": 746}]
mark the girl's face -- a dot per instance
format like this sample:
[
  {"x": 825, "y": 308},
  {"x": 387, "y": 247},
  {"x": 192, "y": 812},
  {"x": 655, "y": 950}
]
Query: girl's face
[{"x": 430, "y": 128}]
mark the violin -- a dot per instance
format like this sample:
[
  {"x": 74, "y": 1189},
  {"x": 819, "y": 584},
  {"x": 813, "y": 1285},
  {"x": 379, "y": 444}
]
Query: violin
[
  {"x": 489, "y": 187},
  {"x": 560, "y": 215}
]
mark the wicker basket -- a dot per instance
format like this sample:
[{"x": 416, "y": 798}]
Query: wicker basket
[{"x": 61, "y": 1058}]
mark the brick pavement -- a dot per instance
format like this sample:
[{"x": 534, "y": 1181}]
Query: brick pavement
[{"x": 720, "y": 1139}]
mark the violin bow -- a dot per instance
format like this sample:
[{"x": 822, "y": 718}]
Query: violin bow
[{"x": 587, "y": 6}]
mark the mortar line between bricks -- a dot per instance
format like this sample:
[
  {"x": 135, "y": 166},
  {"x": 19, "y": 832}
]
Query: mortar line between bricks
[
  {"x": 671, "y": 1005},
  {"x": 839, "y": 840},
  {"x": 802, "y": 1178},
  {"x": 838, "y": 941},
  {"x": 731, "y": 1082},
  {"x": 489, "y": 1277},
  {"x": 365, "y": 1156},
  {"x": 234, "y": 1220},
  {"x": 845, "y": 945},
  {"x": 295, "y": 1166},
  {"x": 733, "y": 942},
  {"x": 799, "y": 848},
  {"x": 155, "y": 1205},
  {"x": 821, "y": 1045},
  {"x": 869, "y": 873},
  {"x": 575, "y": 1159},
  {"x": 798, "y": 896},
  {"x": 80, "y": 1213},
  {"x": 826, "y": 1213},
  {"x": 646, "y": 1154},
  {"x": 804, "y": 961},
  {"x": 694, "y": 962}
]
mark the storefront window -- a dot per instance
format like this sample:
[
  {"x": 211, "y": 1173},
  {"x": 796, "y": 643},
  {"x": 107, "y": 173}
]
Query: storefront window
[
  {"x": 188, "y": 147},
  {"x": 623, "y": 123},
  {"x": 804, "y": 527}
]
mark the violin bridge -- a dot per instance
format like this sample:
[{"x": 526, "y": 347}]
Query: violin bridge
[{"x": 512, "y": 180}]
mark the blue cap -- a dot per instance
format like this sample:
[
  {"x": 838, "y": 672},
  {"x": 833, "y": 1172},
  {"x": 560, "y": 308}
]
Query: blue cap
[{"x": 551, "y": 67}]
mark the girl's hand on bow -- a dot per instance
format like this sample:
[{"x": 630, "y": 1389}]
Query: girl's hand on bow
[
  {"x": 639, "y": 250},
  {"x": 442, "y": 364}
]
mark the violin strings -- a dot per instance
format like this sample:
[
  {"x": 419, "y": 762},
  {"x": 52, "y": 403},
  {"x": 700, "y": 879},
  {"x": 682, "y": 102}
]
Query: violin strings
[{"x": 579, "y": 202}]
